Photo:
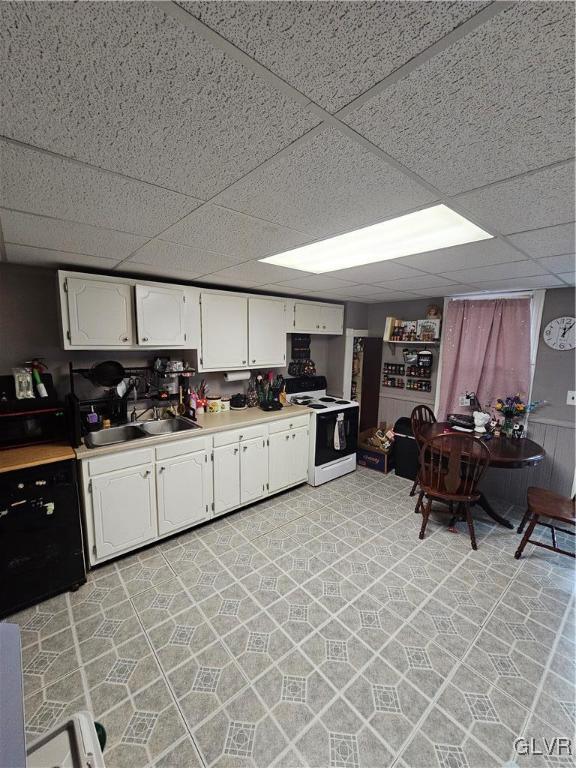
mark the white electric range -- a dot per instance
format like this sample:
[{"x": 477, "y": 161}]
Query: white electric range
[{"x": 333, "y": 428}]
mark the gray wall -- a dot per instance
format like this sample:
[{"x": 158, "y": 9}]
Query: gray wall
[
  {"x": 30, "y": 327},
  {"x": 554, "y": 374},
  {"x": 356, "y": 315}
]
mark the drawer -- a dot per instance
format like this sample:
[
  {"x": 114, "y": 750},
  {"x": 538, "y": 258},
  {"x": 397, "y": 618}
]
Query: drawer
[
  {"x": 123, "y": 460},
  {"x": 237, "y": 435},
  {"x": 286, "y": 424},
  {"x": 182, "y": 447}
]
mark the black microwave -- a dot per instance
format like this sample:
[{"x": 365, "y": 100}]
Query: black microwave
[{"x": 33, "y": 420}]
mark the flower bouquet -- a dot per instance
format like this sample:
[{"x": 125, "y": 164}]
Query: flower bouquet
[{"x": 512, "y": 407}]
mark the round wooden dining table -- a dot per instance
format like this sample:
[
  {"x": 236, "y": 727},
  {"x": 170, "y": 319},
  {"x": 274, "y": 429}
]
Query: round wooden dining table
[{"x": 505, "y": 453}]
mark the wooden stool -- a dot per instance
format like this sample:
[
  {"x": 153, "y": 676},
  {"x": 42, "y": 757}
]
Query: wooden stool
[{"x": 543, "y": 503}]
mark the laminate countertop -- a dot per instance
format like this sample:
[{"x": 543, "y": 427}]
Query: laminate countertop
[
  {"x": 34, "y": 456},
  {"x": 210, "y": 423}
]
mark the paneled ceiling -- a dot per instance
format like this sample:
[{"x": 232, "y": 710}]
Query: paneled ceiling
[{"x": 188, "y": 140}]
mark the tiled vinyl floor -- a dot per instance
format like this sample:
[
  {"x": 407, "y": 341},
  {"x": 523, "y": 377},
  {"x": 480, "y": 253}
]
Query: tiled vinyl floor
[{"x": 314, "y": 630}]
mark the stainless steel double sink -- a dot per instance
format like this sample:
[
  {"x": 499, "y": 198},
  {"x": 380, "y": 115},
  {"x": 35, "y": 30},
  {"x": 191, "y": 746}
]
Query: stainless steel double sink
[{"x": 138, "y": 431}]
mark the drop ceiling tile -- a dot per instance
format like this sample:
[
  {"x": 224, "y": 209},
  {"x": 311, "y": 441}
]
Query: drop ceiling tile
[
  {"x": 549, "y": 241},
  {"x": 255, "y": 273},
  {"x": 126, "y": 87},
  {"x": 568, "y": 278},
  {"x": 316, "y": 283},
  {"x": 158, "y": 272},
  {"x": 324, "y": 185},
  {"x": 447, "y": 290},
  {"x": 234, "y": 234},
  {"x": 496, "y": 272},
  {"x": 67, "y": 236},
  {"x": 519, "y": 283},
  {"x": 306, "y": 43},
  {"x": 45, "y": 257},
  {"x": 498, "y": 102},
  {"x": 159, "y": 253},
  {"x": 36, "y": 182},
  {"x": 558, "y": 264},
  {"x": 483, "y": 253},
  {"x": 540, "y": 199},
  {"x": 415, "y": 283},
  {"x": 375, "y": 273},
  {"x": 282, "y": 289},
  {"x": 357, "y": 290},
  {"x": 390, "y": 296}
]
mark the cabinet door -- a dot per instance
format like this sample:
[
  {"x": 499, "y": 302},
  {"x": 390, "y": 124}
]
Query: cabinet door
[
  {"x": 99, "y": 313},
  {"x": 332, "y": 319},
  {"x": 307, "y": 317},
  {"x": 266, "y": 332},
  {"x": 224, "y": 331},
  {"x": 124, "y": 506},
  {"x": 280, "y": 465},
  {"x": 253, "y": 469},
  {"x": 299, "y": 447},
  {"x": 226, "y": 478},
  {"x": 182, "y": 491},
  {"x": 160, "y": 316}
]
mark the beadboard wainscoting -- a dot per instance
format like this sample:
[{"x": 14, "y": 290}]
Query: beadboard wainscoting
[
  {"x": 392, "y": 407},
  {"x": 555, "y": 472}
]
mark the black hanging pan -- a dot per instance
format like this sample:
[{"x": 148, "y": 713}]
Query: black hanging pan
[{"x": 107, "y": 374}]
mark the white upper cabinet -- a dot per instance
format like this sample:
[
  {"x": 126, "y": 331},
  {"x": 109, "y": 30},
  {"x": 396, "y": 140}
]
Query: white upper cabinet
[
  {"x": 224, "y": 320},
  {"x": 160, "y": 316},
  {"x": 99, "y": 313},
  {"x": 266, "y": 332},
  {"x": 310, "y": 317}
]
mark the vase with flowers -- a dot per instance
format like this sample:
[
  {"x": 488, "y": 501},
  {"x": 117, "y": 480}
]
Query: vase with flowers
[{"x": 512, "y": 408}]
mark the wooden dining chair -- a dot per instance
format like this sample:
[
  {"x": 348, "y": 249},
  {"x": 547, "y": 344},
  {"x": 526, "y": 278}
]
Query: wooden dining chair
[
  {"x": 419, "y": 416},
  {"x": 451, "y": 467},
  {"x": 553, "y": 507}
]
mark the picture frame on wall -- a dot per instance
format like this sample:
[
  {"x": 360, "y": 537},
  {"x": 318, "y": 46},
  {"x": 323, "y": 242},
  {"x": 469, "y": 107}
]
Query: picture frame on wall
[{"x": 428, "y": 329}]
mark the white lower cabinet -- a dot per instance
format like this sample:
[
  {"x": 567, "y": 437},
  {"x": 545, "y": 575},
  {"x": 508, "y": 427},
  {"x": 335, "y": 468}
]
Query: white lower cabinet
[
  {"x": 253, "y": 470},
  {"x": 124, "y": 508},
  {"x": 183, "y": 492},
  {"x": 136, "y": 496},
  {"x": 287, "y": 458},
  {"x": 226, "y": 478}
]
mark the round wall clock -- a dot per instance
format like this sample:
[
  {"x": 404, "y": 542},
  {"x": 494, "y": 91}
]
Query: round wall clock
[{"x": 560, "y": 333}]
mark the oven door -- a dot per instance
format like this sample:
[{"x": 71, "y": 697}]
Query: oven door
[{"x": 336, "y": 435}]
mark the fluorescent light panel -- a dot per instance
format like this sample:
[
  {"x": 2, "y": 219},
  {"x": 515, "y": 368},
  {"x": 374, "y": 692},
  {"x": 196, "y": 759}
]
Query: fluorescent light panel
[{"x": 426, "y": 230}]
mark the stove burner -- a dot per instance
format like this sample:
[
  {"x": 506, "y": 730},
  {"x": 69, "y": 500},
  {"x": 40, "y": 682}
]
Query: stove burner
[
  {"x": 327, "y": 399},
  {"x": 317, "y": 406},
  {"x": 343, "y": 402}
]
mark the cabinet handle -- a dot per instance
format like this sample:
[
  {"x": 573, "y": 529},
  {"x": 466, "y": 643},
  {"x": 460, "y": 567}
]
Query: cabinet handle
[
  {"x": 241, "y": 437},
  {"x": 124, "y": 338},
  {"x": 287, "y": 437},
  {"x": 290, "y": 426},
  {"x": 162, "y": 469},
  {"x": 253, "y": 361},
  {"x": 244, "y": 447},
  {"x": 243, "y": 362},
  {"x": 293, "y": 435},
  {"x": 144, "y": 338},
  {"x": 235, "y": 451},
  {"x": 147, "y": 473}
]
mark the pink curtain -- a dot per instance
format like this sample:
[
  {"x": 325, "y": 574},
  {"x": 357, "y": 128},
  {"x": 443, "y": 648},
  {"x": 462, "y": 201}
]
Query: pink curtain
[{"x": 486, "y": 349}]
